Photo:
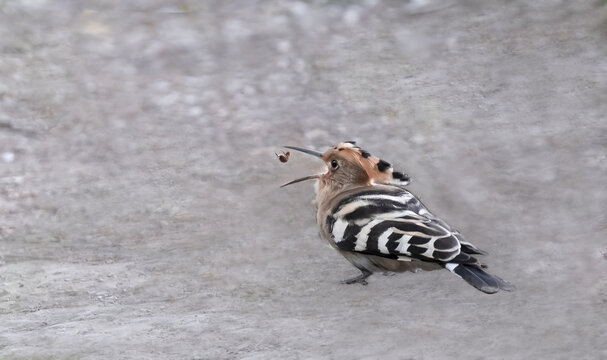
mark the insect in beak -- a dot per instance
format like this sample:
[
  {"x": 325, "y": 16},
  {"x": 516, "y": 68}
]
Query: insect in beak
[
  {"x": 284, "y": 157},
  {"x": 310, "y": 152}
]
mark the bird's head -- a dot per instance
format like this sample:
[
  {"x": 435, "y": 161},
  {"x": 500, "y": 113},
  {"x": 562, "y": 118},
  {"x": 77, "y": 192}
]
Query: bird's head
[{"x": 349, "y": 166}]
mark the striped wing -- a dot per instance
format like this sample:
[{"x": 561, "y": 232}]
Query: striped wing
[{"x": 391, "y": 222}]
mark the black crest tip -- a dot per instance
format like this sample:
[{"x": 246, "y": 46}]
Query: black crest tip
[
  {"x": 383, "y": 165},
  {"x": 400, "y": 176}
]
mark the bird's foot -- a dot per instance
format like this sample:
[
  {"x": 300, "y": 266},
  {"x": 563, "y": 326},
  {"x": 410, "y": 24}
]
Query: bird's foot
[{"x": 360, "y": 279}]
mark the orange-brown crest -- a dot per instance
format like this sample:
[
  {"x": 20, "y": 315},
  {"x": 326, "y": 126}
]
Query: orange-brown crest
[{"x": 377, "y": 170}]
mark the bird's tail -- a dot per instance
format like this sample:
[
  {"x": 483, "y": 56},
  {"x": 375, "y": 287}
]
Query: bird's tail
[{"x": 479, "y": 278}]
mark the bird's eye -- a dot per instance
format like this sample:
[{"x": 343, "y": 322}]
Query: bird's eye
[{"x": 334, "y": 164}]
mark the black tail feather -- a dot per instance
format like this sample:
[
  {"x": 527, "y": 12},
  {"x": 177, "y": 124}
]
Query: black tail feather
[
  {"x": 479, "y": 278},
  {"x": 468, "y": 247}
]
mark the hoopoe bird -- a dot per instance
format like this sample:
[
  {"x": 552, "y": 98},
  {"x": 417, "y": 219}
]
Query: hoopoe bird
[{"x": 365, "y": 213}]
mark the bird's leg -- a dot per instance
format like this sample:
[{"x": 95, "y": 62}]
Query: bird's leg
[{"x": 360, "y": 279}]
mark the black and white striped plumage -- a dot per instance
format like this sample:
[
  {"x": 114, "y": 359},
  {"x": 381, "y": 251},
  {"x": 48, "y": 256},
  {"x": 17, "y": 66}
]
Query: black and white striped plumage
[
  {"x": 382, "y": 227},
  {"x": 386, "y": 223}
]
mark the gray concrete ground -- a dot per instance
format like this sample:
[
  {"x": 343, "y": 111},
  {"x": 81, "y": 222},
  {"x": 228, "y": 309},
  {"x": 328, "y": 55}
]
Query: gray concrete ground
[{"x": 140, "y": 214}]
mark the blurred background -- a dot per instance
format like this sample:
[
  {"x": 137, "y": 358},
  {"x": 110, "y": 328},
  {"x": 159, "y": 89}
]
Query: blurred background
[{"x": 140, "y": 208}]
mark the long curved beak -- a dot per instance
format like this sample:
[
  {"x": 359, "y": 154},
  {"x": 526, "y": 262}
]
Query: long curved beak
[
  {"x": 301, "y": 179},
  {"x": 309, "y": 152}
]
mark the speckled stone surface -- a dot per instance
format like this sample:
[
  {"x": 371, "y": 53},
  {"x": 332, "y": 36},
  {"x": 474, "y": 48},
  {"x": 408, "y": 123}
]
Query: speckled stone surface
[{"x": 140, "y": 209}]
